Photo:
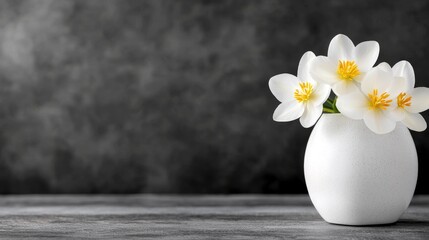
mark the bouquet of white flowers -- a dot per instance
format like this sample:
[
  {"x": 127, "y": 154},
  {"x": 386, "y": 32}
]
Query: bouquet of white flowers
[{"x": 381, "y": 96}]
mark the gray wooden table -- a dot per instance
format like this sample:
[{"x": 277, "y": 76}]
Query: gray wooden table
[{"x": 189, "y": 217}]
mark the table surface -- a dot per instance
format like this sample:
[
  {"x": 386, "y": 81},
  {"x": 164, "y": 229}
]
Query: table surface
[{"x": 190, "y": 217}]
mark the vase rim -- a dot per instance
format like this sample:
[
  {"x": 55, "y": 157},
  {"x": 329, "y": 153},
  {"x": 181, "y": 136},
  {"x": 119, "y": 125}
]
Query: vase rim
[{"x": 343, "y": 118}]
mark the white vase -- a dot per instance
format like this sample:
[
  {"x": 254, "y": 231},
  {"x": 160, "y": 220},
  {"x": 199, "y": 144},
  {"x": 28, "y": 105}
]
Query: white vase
[{"x": 357, "y": 177}]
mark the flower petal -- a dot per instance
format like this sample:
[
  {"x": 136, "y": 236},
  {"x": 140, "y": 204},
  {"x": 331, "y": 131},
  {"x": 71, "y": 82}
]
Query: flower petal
[
  {"x": 397, "y": 113},
  {"x": 419, "y": 100},
  {"x": 344, "y": 88},
  {"x": 415, "y": 122},
  {"x": 366, "y": 54},
  {"x": 287, "y": 112},
  {"x": 340, "y": 48},
  {"x": 385, "y": 67},
  {"x": 359, "y": 77},
  {"x": 353, "y": 105},
  {"x": 283, "y": 86},
  {"x": 398, "y": 86},
  {"x": 324, "y": 70},
  {"x": 311, "y": 115},
  {"x": 404, "y": 69},
  {"x": 378, "y": 122},
  {"x": 304, "y": 67},
  {"x": 376, "y": 79},
  {"x": 320, "y": 94}
]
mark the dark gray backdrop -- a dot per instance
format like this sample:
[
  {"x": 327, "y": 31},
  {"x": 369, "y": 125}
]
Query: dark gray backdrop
[{"x": 171, "y": 96}]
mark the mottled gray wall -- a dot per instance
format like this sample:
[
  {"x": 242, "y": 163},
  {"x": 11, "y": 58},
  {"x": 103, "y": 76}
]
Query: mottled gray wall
[{"x": 172, "y": 96}]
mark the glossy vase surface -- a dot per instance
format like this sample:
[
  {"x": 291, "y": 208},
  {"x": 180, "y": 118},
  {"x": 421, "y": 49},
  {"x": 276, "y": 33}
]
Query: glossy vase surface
[{"x": 357, "y": 177}]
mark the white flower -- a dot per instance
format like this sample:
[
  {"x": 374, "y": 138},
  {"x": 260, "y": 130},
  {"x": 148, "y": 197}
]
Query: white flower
[
  {"x": 374, "y": 102},
  {"x": 301, "y": 96},
  {"x": 345, "y": 65},
  {"x": 409, "y": 101}
]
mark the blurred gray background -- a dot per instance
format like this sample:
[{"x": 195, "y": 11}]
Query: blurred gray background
[{"x": 171, "y": 96}]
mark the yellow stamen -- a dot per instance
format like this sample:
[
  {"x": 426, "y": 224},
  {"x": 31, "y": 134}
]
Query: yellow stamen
[
  {"x": 304, "y": 94},
  {"x": 403, "y": 101},
  {"x": 347, "y": 70},
  {"x": 376, "y": 102}
]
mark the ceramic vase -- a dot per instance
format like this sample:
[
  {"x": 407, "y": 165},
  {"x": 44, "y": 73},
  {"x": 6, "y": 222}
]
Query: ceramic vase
[{"x": 357, "y": 177}]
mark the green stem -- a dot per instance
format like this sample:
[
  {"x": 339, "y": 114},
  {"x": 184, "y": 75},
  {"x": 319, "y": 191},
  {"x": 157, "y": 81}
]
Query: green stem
[
  {"x": 328, "y": 110},
  {"x": 330, "y": 106},
  {"x": 334, "y": 105},
  {"x": 329, "y": 101}
]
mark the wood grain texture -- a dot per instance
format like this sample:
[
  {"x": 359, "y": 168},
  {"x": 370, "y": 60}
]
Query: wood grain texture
[{"x": 189, "y": 217}]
